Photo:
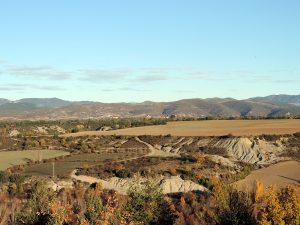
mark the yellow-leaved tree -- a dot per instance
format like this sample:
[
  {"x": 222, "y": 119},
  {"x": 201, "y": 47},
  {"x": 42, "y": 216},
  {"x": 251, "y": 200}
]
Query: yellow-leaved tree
[
  {"x": 259, "y": 190},
  {"x": 271, "y": 211},
  {"x": 278, "y": 207},
  {"x": 290, "y": 201}
]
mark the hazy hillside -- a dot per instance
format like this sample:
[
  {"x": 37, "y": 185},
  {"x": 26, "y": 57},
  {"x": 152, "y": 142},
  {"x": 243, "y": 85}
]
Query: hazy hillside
[
  {"x": 54, "y": 108},
  {"x": 291, "y": 99},
  {"x": 3, "y": 100},
  {"x": 16, "y": 107},
  {"x": 45, "y": 102}
]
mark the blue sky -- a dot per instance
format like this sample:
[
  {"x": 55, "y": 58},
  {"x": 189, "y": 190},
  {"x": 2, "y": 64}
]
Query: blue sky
[{"x": 137, "y": 50}]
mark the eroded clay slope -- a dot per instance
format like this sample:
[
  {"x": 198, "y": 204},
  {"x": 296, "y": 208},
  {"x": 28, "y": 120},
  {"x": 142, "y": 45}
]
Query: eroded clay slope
[
  {"x": 173, "y": 184},
  {"x": 246, "y": 149},
  {"x": 251, "y": 150}
]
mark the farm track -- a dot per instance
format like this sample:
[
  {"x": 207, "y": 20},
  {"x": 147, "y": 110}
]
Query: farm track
[{"x": 156, "y": 152}]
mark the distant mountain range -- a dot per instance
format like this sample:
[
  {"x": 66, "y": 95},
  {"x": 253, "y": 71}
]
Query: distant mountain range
[
  {"x": 54, "y": 108},
  {"x": 291, "y": 99}
]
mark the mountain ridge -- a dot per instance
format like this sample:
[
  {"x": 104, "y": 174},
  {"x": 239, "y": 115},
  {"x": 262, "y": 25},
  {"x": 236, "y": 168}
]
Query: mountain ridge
[
  {"x": 282, "y": 98},
  {"x": 55, "y": 108}
]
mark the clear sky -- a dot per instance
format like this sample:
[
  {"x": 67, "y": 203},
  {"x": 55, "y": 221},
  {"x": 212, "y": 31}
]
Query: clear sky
[{"x": 160, "y": 50}]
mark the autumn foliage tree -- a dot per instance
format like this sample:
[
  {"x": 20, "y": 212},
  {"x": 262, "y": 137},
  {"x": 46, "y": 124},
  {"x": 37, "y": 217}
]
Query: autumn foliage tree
[
  {"x": 259, "y": 190},
  {"x": 279, "y": 206}
]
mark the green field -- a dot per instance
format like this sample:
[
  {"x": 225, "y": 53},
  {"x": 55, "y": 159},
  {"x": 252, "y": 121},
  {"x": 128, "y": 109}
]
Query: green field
[
  {"x": 12, "y": 158},
  {"x": 65, "y": 166}
]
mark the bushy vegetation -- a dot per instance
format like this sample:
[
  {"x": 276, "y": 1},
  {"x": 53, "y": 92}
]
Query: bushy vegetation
[
  {"x": 35, "y": 203},
  {"x": 6, "y": 177},
  {"x": 269, "y": 137},
  {"x": 214, "y": 151},
  {"x": 87, "y": 206},
  {"x": 53, "y": 127},
  {"x": 191, "y": 167},
  {"x": 84, "y": 161},
  {"x": 297, "y": 135},
  {"x": 225, "y": 205},
  {"x": 188, "y": 118},
  {"x": 146, "y": 205},
  {"x": 293, "y": 147}
]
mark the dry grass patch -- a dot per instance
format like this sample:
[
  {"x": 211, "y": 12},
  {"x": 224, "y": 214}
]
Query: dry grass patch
[{"x": 12, "y": 158}]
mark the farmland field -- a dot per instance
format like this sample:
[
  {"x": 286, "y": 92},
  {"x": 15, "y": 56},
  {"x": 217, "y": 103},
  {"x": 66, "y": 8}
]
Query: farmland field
[
  {"x": 64, "y": 167},
  {"x": 11, "y": 158},
  {"x": 280, "y": 174},
  {"x": 209, "y": 128}
]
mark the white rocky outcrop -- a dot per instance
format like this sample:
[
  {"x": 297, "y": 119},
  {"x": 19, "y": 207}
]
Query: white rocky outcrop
[
  {"x": 173, "y": 184},
  {"x": 58, "y": 185},
  {"x": 14, "y": 133},
  {"x": 58, "y": 129}
]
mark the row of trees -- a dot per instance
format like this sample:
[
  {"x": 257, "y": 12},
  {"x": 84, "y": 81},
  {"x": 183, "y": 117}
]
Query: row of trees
[
  {"x": 28, "y": 128},
  {"x": 188, "y": 118}
]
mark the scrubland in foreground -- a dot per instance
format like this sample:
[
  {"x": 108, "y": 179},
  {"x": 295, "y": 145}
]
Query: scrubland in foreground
[
  {"x": 35, "y": 204},
  {"x": 205, "y": 166}
]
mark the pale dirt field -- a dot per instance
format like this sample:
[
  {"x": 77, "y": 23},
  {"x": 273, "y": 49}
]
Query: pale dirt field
[
  {"x": 280, "y": 174},
  {"x": 11, "y": 158},
  {"x": 208, "y": 128}
]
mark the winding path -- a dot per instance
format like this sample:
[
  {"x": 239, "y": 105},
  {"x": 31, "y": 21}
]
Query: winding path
[{"x": 156, "y": 152}]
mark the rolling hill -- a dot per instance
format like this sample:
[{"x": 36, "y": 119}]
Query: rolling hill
[
  {"x": 3, "y": 101},
  {"x": 54, "y": 108},
  {"x": 290, "y": 99}
]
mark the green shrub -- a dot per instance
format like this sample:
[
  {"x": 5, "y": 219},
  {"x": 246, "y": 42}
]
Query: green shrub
[
  {"x": 297, "y": 135},
  {"x": 36, "y": 210},
  {"x": 147, "y": 205},
  {"x": 124, "y": 174},
  {"x": 74, "y": 130},
  {"x": 4, "y": 177},
  {"x": 94, "y": 206},
  {"x": 18, "y": 179},
  {"x": 269, "y": 137},
  {"x": 238, "y": 211}
]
